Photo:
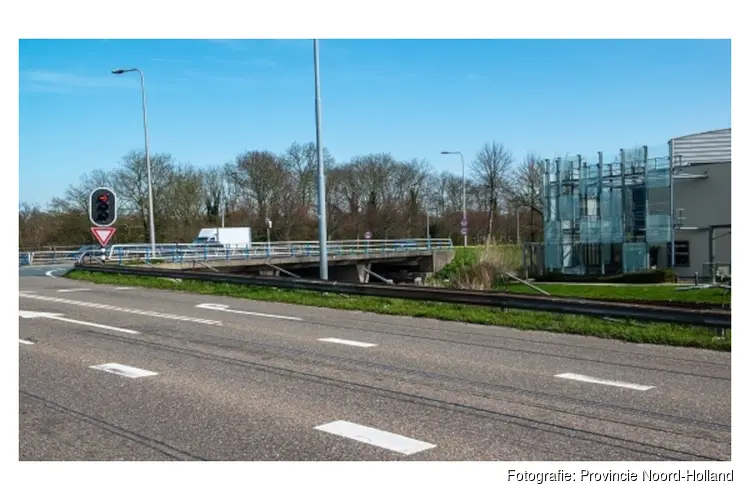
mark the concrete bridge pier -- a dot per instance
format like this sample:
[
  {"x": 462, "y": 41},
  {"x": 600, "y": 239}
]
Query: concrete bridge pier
[{"x": 356, "y": 273}]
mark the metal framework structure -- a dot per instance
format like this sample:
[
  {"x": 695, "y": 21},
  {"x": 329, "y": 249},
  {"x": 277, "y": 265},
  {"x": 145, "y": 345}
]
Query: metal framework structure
[{"x": 603, "y": 218}]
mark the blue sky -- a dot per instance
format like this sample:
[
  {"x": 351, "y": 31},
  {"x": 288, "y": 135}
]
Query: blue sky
[{"x": 209, "y": 100}]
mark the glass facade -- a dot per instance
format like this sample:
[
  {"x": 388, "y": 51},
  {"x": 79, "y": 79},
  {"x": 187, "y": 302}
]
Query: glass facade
[{"x": 605, "y": 217}]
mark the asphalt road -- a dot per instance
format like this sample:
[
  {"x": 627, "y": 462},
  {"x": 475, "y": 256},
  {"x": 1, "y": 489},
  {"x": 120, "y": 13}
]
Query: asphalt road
[
  {"x": 46, "y": 270},
  {"x": 244, "y": 380}
]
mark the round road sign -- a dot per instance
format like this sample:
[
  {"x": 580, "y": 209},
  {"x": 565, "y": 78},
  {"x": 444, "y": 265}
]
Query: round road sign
[
  {"x": 464, "y": 231},
  {"x": 464, "y": 222},
  {"x": 368, "y": 235}
]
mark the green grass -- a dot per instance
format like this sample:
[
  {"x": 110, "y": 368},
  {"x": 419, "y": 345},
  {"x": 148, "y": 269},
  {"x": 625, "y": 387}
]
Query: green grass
[
  {"x": 653, "y": 333},
  {"x": 470, "y": 256},
  {"x": 629, "y": 292}
]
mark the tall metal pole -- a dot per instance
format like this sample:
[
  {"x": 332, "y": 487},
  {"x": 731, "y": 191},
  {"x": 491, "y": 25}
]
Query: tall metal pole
[
  {"x": 322, "y": 230},
  {"x": 463, "y": 181},
  {"x": 152, "y": 231}
]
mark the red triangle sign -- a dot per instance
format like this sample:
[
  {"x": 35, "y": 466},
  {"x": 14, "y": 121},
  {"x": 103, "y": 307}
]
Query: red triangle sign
[{"x": 103, "y": 234}]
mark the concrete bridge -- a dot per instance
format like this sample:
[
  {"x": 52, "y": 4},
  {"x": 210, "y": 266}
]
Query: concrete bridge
[{"x": 348, "y": 260}]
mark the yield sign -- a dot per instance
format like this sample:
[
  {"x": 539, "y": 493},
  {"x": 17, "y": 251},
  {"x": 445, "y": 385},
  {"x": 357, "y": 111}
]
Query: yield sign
[{"x": 103, "y": 234}]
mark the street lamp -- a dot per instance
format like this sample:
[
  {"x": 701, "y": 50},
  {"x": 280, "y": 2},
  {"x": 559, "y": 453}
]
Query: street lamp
[
  {"x": 322, "y": 230},
  {"x": 463, "y": 182},
  {"x": 152, "y": 231}
]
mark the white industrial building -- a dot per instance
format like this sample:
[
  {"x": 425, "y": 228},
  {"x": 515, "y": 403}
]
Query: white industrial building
[{"x": 702, "y": 189}]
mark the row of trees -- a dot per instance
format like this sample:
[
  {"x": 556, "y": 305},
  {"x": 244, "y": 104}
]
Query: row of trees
[{"x": 389, "y": 197}]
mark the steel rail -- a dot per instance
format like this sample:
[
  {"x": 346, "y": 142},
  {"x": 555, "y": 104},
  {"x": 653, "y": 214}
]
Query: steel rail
[{"x": 710, "y": 318}]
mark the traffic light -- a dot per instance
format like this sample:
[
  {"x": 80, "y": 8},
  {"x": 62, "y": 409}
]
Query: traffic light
[{"x": 103, "y": 207}]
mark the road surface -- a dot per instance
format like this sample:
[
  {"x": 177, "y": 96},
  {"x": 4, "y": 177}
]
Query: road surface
[{"x": 111, "y": 373}]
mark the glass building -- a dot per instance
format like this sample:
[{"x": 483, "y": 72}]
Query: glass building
[{"x": 606, "y": 218}]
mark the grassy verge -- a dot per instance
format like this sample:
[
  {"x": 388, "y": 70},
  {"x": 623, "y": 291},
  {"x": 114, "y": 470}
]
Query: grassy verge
[
  {"x": 473, "y": 267},
  {"x": 629, "y": 292},
  {"x": 653, "y": 333}
]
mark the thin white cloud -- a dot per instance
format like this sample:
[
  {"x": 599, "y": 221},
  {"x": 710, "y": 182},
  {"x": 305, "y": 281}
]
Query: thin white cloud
[
  {"x": 260, "y": 62},
  {"x": 231, "y": 44},
  {"x": 167, "y": 60},
  {"x": 34, "y": 87},
  {"x": 62, "y": 80}
]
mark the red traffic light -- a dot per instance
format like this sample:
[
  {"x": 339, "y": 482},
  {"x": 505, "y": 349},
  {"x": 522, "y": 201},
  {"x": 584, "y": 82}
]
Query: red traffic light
[{"x": 102, "y": 207}]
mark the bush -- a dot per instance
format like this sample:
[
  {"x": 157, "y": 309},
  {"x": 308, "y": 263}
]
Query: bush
[
  {"x": 479, "y": 268},
  {"x": 464, "y": 258},
  {"x": 639, "y": 277}
]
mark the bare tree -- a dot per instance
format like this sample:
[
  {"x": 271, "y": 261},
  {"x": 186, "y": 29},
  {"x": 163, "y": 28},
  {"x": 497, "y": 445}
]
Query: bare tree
[
  {"x": 491, "y": 170},
  {"x": 412, "y": 190},
  {"x": 76, "y": 198},
  {"x": 265, "y": 184},
  {"x": 214, "y": 193},
  {"x": 31, "y": 226},
  {"x": 131, "y": 181},
  {"x": 185, "y": 201},
  {"x": 526, "y": 190}
]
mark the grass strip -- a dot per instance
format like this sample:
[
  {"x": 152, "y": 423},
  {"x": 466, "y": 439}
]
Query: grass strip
[{"x": 629, "y": 331}]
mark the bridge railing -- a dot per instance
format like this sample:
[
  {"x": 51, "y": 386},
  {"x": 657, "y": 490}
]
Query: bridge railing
[
  {"x": 46, "y": 257},
  {"x": 181, "y": 252}
]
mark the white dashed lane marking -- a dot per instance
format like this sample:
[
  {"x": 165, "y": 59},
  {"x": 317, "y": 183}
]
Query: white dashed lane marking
[
  {"x": 60, "y": 317},
  {"x": 152, "y": 314},
  {"x": 375, "y": 437},
  {"x": 593, "y": 380},
  {"x": 124, "y": 370},
  {"x": 225, "y": 308},
  {"x": 347, "y": 342}
]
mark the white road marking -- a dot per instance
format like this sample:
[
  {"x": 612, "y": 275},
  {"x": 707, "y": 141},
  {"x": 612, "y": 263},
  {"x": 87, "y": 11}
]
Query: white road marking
[
  {"x": 124, "y": 370},
  {"x": 125, "y": 288},
  {"x": 375, "y": 437},
  {"x": 224, "y": 308},
  {"x": 347, "y": 342},
  {"x": 585, "y": 378},
  {"x": 66, "y": 290},
  {"x": 22, "y": 341},
  {"x": 152, "y": 314},
  {"x": 49, "y": 273},
  {"x": 59, "y": 317}
]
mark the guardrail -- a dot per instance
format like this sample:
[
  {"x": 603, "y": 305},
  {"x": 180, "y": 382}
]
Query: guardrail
[
  {"x": 711, "y": 318},
  {"x": 180, "y": 252},
  {"x": 47, "y": 257}
]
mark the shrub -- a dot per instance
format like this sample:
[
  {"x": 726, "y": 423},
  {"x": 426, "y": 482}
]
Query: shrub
[
  {"x": 482, "y": 269},
  {"x": 464, "y": 257}
]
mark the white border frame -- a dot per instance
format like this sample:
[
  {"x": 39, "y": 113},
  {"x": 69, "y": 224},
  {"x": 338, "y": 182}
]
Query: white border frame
[{"x": 389, "y": 19}]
